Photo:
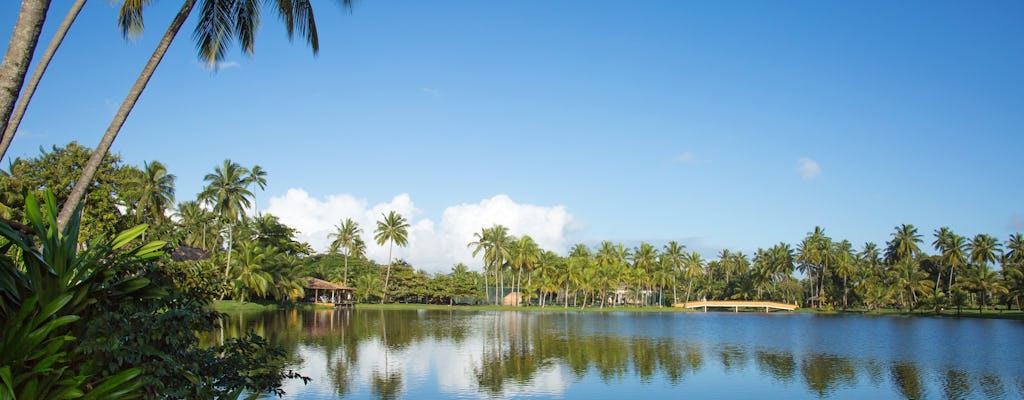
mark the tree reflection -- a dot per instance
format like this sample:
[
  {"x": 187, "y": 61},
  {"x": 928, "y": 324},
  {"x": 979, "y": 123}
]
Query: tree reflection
[
  {"x": 955, "y": 385},
  {"x": 779, "y": 365},
  {"x": 823, "y": 373},
  {"x": 907, "y": 380},
  {"x": 512, "y": 352}
]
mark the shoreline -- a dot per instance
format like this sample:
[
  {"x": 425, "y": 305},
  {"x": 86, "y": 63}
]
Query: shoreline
[{"x": 234, "y": 306}]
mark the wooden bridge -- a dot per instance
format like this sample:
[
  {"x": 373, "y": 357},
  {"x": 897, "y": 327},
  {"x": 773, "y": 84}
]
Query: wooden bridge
[{"x": 736, "y": 305}]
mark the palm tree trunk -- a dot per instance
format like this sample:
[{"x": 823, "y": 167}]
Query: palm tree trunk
[
  {"x": 387, "y": 276},
  {"x": 37, "y": 75},
  {"x": 19, "y": 56},
  {"x": 78, "y": 192},
  {"x": 689, "y": 285},
  {"x": 227, "y": 265},
  {"x": 345, "y": 280}
]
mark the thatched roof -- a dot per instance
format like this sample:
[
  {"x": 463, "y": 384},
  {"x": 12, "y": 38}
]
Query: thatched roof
[
  {"x": 313, "y": 283},
  {"x": 186, "y": 253}
]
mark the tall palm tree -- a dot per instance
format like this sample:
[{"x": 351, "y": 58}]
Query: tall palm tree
[
  {"x": 645, "y": 258},
  {"x": 525, "y": 254},
  {"x": 226, "y": 194},
  {"x": 393, "y": 229},
  {"x": 495, "y": 244},
  {"x": 345, "y": 237},
  {"x": 845, "y": 266},
  {"x": 257, "y": 178},
  {"x": 954, "y": 251},
  {"x": 30, "y": 87},
  {"x": 673, "y": 255},
  {"x": 220, "y": 23},
  {"x": 694, "y": 267},
  {"x": 19, "y": 54},
  {"x": 155, "y": 193}
]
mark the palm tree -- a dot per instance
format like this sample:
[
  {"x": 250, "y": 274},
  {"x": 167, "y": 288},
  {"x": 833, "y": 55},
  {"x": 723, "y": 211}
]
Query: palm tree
[
  {"x": 195, "y": 221},
  {"x": 19, "y": 54},
  {"x": 345, "y": 237},
  {"x": 227, "y": 195},
  {"x": 525, "y": 254},
  {"x": 393, "y": 229},
  {"x": 249, "y": 274},
  {"x": 673, "y": 255},
  {"x": 220, "y": 23},
  {"x": 258, "y": 178},
  {"x": 494, "y": 242},
  {"x": 904, "y": 244},
  {"x": 984, "y": 249},
  {"x": 985, "y": 281},
  {"x": 954, "y": 255},
  {"x": 644, "y": 258},
  {"x": 30, "y": 87},
  {"x": 155, "y": 193},
  {"x": 1015, "y": 250},
  {"x": 694, "y": 267},
  {"x": 845, "y": 266}
]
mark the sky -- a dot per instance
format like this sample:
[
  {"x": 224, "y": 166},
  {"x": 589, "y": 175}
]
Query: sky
[{"x": 719, "y": 125}]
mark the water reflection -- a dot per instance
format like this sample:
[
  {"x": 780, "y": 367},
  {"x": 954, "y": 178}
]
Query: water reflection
[{"x": 412, "y": 354}]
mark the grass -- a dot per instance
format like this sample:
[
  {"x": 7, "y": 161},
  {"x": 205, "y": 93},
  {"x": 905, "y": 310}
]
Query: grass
[{"x": 237, "y": 306}]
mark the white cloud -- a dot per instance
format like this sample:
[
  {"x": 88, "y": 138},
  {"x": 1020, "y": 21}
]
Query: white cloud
[
  {"x": 1016, "y": 222},
  {"x": 220, "y": 65},
  {"x": 685, "y": 158},
  {"x": 432, "y": 246},
  {"x": 808, "y": 168},
  {"x": 431, "y": 91}
]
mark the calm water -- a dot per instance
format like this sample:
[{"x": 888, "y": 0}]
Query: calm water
[{"x": 360, "y": 354}]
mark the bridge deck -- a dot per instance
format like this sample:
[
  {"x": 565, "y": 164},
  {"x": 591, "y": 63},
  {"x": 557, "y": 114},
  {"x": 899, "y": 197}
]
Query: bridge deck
[{"x": 736, "y": 305}]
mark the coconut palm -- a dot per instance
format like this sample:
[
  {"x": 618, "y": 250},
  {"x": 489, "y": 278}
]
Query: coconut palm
[
  {"x": 393, "y": 229},
  {"x": 904, "y": 244},
  {"x": 645, "y": 258},
  {"x": 494, "y": 242},
  {"x": 227, "y": 195},
  {"x": 154, "y": 193},
  {"x": 845, "y": 266},
  {"x": 345, "y": 237},
  {"x": 984, "y": 281},
  {"x": 954, "y": 251},
  {"x": 673, "y": 256},
  {"x": 196, "y": 222},
  {"x": 525, "y": 254},
  {"x": 19, "y": 54},
  {"x": 984, "y": 249},
  {"x": 249, "y": 275},
  {"x": 257, "y": 178},
  {"x": 219, "y": 24},
  {"x": 1014, "y": 250},
  {"x": 693, "y": 268},
  {"x": 29, "y": 90}
]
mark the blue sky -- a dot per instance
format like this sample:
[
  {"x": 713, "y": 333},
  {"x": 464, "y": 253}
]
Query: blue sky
[{"x": 652, "y": 121}]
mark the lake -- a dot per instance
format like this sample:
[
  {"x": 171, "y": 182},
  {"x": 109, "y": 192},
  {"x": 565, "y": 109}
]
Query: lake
[{"x": 417, "y": 354}]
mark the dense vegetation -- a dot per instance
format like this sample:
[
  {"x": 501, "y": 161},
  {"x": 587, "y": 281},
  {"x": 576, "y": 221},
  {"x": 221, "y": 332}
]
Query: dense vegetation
[{"x": 256, "y": 257}]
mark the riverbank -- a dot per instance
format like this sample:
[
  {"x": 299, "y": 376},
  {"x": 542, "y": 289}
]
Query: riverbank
[{"x": 235, "y": 306}]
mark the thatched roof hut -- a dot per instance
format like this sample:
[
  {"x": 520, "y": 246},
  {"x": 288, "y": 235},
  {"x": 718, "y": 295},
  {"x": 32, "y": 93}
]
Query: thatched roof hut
[
  {"x": 320, "y": 288},
  {"x": 186, "y": 253}
]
